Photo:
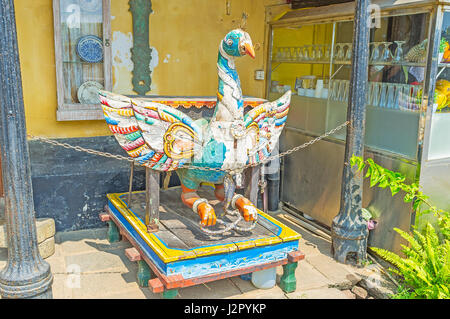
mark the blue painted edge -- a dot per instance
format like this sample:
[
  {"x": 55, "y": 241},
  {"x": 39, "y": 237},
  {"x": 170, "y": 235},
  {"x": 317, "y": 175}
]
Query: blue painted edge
[
  {"x": 202, "y": 266},
  {"x": 206, "y": 265}
]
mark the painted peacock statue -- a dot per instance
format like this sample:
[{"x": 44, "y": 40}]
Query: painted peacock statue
[{"x": 165, "y": 139}]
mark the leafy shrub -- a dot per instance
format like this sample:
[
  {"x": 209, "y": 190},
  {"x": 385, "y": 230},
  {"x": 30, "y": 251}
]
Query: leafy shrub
[{"x": 426, "y": 266}]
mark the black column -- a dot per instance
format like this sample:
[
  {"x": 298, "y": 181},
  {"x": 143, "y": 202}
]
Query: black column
[
  {"x": 349, "y": 230},
  {"x": 26, "y": 275}
]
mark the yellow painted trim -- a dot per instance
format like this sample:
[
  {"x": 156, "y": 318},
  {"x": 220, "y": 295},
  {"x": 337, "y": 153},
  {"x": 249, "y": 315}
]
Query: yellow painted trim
[
  {"x": 170, "y": 255},
  {"x": 166, "y": 254},
  {"x": 278, "y": 17},
  {"x": 286, "y": 234},
  {"x": 282, "y": 14}
]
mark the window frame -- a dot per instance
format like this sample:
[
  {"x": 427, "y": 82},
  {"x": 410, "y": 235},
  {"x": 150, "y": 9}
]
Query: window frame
[{"x": 77, "y": 112}]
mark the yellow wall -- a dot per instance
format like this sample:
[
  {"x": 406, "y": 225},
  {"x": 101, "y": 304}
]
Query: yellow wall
[
  {"x": 185, "y": 35},
  {"x": 34, "y": 20}
]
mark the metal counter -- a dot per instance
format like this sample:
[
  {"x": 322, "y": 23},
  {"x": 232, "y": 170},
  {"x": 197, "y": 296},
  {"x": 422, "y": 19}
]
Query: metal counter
[{"x": 311, "y": 178}]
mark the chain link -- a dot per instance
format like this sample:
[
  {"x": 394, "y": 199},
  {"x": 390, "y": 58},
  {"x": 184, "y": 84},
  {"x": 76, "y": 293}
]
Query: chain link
[{"x": 203, "y": 168}]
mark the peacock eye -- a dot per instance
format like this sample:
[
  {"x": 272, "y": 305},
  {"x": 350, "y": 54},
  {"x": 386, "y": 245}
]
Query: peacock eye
[{"x": 229, "y": 42}]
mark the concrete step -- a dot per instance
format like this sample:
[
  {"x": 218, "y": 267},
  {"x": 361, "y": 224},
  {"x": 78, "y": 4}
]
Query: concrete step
[{"x": 45, "y": 228}]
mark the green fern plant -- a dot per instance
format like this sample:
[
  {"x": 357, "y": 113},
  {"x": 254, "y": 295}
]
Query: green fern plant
[
  {"x": 426, "y": 266},
  {"x": 383, "y": 178}
]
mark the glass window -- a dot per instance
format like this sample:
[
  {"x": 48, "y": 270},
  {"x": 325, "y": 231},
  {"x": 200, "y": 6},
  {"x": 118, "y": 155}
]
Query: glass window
[
  {"x": 81, "y": 32},
  {"x": 340, "y": 78},
  {"x": 440, "y": 120},
  {"x": 397, "y": 53},
  {"x": 301, "y": 63},
  {"x": 396, "y": 77}
]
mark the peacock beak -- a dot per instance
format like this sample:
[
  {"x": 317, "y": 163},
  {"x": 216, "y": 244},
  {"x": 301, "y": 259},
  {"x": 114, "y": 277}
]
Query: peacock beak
[{"x": 249, "y": 50}]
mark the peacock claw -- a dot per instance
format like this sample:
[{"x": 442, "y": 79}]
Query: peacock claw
[
  {"x": 246, "y": 208},
  {"x": 207, "y": 214}
]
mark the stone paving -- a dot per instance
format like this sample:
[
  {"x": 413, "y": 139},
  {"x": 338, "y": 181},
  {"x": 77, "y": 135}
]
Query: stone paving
[{"x": 86, "y": 265}]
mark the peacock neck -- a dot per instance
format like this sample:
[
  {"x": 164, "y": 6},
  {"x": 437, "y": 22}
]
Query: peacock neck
[{"x": 230, "y": 103}]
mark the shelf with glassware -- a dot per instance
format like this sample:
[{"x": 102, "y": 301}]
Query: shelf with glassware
[
  {"x": 401, "y": 96},
  {"x": 320, "y": 54},
  {"x": 404, "y": 97}
]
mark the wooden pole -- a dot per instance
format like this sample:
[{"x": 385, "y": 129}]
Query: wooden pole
[
  {"x": 130, "y": 186},
  {"x": 152, "y": 199},
  {"x": 349, "y": 230},
  {"x": 26, "y": 274}
]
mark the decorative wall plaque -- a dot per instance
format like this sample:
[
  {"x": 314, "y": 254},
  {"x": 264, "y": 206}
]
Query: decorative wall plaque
[{"x": 141, "y": 52}]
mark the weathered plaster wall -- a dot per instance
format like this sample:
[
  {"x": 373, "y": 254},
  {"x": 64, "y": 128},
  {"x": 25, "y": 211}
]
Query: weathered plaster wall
[{"x": 184, "y": 34}]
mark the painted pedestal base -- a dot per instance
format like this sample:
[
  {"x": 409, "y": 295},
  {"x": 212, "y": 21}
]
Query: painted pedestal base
[{"x": 170, "y": 259}]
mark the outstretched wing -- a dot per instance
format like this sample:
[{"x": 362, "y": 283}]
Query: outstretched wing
[
  {"x": 156, "y": 135},
  {"x": 264, "y": 125}
]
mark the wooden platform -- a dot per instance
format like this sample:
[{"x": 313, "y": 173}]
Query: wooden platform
[{"x": 181, "y": 255}]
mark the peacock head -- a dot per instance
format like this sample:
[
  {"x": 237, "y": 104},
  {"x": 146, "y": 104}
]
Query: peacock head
[{"x": 238, "y": 43}]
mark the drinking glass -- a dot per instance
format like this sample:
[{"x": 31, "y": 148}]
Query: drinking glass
[
  {"x": 398, "y": 54},
  {"x": 334, "y": 85},
  {"x": 403, "y": 96},
  {"x": 369, "y": 93},
  {"x": 278, "y": 54},
  {"x": 383, "y": 93},
  {"x": 294, "y": 55},
  {"x": 386, "y": 53},
  {"x": 313, "y": 55},
  {"x": 327, "y": 52},
  {"x": 340, "y": 90},
  {"x": 306, "y": 52},
  {"x": 299, "y": 54},
  {"x": 288, "y": 54},
  {"x": 348, "y": 53},
  {"x": 390, "y": 95},
  {"x": 319, "y": 54},
  {"x": 283, "y": 53},
  {"x": 375, "y": 56},
  {"x": 339, "y": 57},
  {"x": 376, "y": 93},
  {"x": 396, "y": 99},
  {"x": 345, "y": 89}
]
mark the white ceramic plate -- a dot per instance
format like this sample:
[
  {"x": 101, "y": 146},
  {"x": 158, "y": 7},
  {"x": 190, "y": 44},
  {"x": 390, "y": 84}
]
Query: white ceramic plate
[{"x": 88, "y": 92}]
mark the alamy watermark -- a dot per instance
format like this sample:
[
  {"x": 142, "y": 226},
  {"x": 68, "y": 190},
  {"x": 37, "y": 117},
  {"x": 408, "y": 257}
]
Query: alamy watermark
[
  {"x": 74, "y": 276},
  {"x": 374, "y": 19}
]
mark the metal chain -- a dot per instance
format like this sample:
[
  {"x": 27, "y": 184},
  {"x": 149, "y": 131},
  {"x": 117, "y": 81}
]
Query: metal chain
[
  {"x": 228, "y": 226},
  {"x": 238, "y": 169},
  {"x": 80, "y": 149}
]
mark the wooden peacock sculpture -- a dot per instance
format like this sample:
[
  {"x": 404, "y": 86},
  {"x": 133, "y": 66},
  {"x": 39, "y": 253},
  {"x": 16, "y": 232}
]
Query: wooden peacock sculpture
[{"x": 165, "y": 139}]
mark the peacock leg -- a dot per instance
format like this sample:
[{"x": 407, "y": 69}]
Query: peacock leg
[
  {"x": 203, "y": 208},
  {"x": 246, "y": 208}
]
